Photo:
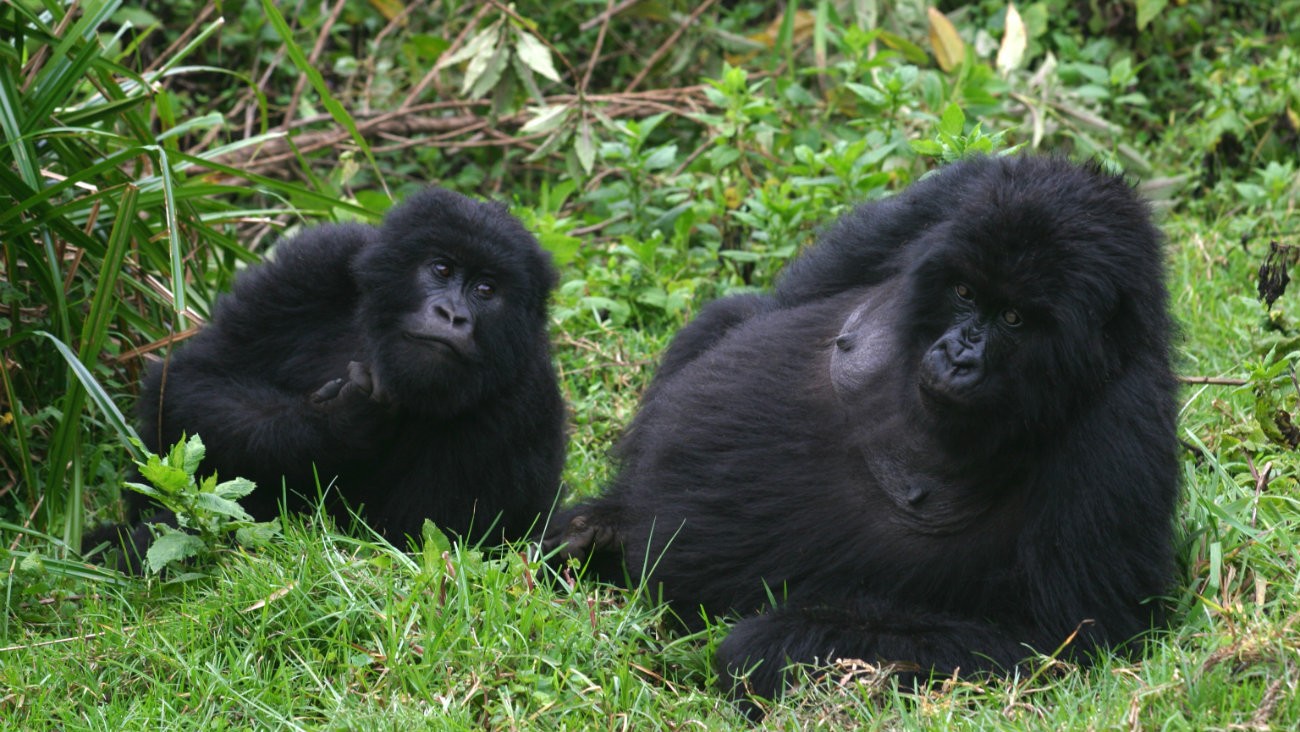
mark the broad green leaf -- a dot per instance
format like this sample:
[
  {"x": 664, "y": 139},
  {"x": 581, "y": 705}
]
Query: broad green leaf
[
  {"x": 259, "y": 534},
  {"x": 953, "y": 121},
  {"x": 235, "y": 489},
  {"x": 912, "y": 52},
  {"x": 927, "y": 147},
  {"x": 1148, "y": 10},
  {"x": 661, "y": 158},
  {"x": 546, "y": 119},
  {"x": 563, "y": 247},
  {"x": 216, "y": 504},
  {"x": 144, "y": 490},
  {"x": 485, "y": 71},
  {"x": 479, "y": 44},
  {"x": 172, "y": 546},
  {"x": 535, "y": 55},
  {"x": 868, "y": 94},
  {"x": 168, "y": 478}
]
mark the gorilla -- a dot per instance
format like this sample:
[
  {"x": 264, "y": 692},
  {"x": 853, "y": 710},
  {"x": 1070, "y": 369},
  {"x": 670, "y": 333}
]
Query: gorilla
[
  {"x": 409, "y": 363},
  {"x": 946, "y": 441}
]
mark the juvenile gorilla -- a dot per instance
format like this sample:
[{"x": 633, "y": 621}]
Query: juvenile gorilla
[
  {"x": 409, "y": 363},
  {"x": 945, "y": 441}
]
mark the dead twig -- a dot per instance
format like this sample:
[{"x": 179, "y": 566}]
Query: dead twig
[
  {"x": 1216, "y": 380},
  {"x": 668, "y": 44},
  {"x": 610, "y": 11}
]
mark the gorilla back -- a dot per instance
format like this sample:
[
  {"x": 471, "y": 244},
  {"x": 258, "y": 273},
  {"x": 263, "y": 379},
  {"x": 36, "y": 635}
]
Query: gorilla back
[
  {"x": 946, "y": 440},
  {"x": 409, "y": 364}
]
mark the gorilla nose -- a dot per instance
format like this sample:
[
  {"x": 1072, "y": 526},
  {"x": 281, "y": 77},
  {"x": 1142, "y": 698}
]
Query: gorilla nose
[{"x": 450, "y": 315}]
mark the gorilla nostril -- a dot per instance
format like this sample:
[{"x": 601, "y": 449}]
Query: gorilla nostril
[{"x": 844, "y": 342}]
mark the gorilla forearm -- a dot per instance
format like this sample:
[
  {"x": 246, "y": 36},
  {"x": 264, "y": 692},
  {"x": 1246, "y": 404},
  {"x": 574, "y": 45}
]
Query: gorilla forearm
[{"x": 920, "y": 644}]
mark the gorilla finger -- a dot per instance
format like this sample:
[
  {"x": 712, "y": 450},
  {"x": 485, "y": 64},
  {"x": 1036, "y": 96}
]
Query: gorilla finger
[
  {"x": 359, "y": 374},
  {"x": 328, "y": 392}
]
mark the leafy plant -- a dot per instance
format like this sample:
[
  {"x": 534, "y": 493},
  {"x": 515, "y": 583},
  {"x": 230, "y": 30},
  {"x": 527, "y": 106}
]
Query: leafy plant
[{"x": 207, "y": 512}]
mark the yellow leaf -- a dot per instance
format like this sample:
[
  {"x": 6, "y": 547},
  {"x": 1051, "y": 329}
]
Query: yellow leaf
[
  {"x": 949, "y": 48},
  {"x": 388, "y": 8},
  {"x": 804, "y": 21},
  {"x": 1014, "y": 38}
]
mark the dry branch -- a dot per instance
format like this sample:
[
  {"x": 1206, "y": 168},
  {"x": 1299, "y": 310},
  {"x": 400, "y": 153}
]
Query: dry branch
[{"x": 449, "y": 124}]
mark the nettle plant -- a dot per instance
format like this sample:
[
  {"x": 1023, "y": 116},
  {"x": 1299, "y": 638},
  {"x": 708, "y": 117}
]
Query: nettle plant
[{"x": 207, "y": 510}]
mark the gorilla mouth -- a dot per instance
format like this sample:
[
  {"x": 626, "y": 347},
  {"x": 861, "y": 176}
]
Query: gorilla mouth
[
  {"x": 432, "y": 341},
  {"x": 940, "y": 396}
]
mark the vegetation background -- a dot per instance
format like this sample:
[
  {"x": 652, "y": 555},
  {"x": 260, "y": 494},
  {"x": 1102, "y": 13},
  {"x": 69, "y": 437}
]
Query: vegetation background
[{"x": 666, "y": 152}]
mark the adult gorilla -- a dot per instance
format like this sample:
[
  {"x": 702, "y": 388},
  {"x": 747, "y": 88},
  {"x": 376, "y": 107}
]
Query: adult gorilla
[
  {"x": 946, "y": 440},
  {"x": 408, "y": 363}
]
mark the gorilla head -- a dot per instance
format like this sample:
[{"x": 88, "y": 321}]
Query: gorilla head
[{"x": 473, "y": 311}]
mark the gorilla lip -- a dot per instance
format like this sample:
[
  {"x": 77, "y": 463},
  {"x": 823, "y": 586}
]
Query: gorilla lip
[{"x": 431, "y": 341}]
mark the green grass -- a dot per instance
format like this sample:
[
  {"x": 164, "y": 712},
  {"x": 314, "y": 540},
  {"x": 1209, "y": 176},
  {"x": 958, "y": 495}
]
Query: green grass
[{"x": 129, "y": 197}]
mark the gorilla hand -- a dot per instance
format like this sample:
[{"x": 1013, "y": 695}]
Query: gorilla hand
[{"x": 353, "y": 404}]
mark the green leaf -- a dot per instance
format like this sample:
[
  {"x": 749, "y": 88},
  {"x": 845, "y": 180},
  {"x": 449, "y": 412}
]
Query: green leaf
[
  {"x": 145, "y": 490},
  {"x": 927, "y": 147},
  {"x": 868, "y": 94},
  {"x": 563, "y": 247},
  {"x": 546, "y": 119},
  {"x": 661, "y": 158},
  {"x": 172, "y": 546},
  {"x": 535, "y": 55},
  {"x": 953, "y": 121},
  {"x": 434, "y": 545},
  {"x": 235, "y": 489},
  {"x": 1148, "y": 10},
  {"x": 479, "y": 44},
  {"x": 259, "y": 534},
  {"x": 485, "y": 71},
  {"x": 193, "y": 454},
  {"x": 218, "y": 505},
  {"x": 722, "y": 156},
  {"x": 97, "y": 394},
  {"x": 585, "y": 147},
  {"x": 169, "y": 479}
]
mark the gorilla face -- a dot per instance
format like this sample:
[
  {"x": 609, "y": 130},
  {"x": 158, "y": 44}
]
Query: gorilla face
[
  {"x": 441, "y": 292},
  {"x": 454, "y": 298},
  {"x": 960, "y": 369}
]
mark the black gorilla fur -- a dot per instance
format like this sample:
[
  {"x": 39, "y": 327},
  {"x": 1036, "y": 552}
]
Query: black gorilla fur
[
  {"x": 946, "y": 440},
  {"x": 409, "y": 361}
]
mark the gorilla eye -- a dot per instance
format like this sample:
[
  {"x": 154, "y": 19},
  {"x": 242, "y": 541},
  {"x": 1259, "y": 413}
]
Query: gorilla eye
[
  {"x": 485, "y": 290},
  {"x": 964, "y": 291},
  {"x": 442, "y": 268},
  {"x": 1012, "y": 318}
]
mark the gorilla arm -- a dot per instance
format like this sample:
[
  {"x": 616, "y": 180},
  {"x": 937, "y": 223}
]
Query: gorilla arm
[
  {"x": 260, "y": 429},
  {"x": 753, "y": 657}
]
